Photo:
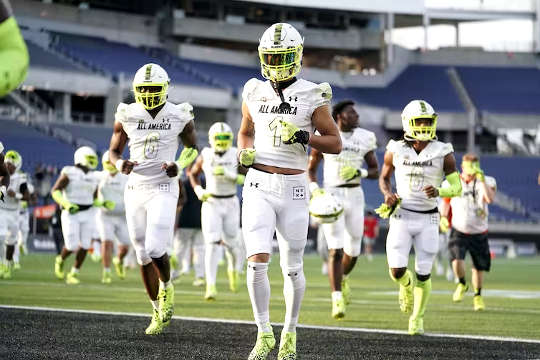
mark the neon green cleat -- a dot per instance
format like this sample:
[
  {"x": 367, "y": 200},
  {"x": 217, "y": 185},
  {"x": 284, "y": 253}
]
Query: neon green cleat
[
  {"x": 265, "y": 343},
  {"x": 119, "y": 268},
  {"x": 211, "y": 293},
  {"x": 346, "y": 289},
  {"x": 166, "y": 304},
  {"x": 406, "y": 298},
  {"x": 233, "y": 280},
  {"x": 287, "y": 346},
  {"x": 338, "y": 309},
  {"x": 156, "y": 326},
  {"x": 8, "y": 271},
  {"x": 95, "y": 257},
  {"x": 459, "y": 293},
  {"x": 478, "y": 303},
  {"x": 72, "y": 278},
  {"x": 17, "y": 266},
  {"x": 416, "y": 326},
  {"x": 106, "y": 278},
  {"x": 198, "y": 282},
  {"x": 59, "y": 267}
]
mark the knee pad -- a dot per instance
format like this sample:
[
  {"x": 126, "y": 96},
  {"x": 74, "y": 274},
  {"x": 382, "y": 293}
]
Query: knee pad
[{"x": 292, "y": 259}]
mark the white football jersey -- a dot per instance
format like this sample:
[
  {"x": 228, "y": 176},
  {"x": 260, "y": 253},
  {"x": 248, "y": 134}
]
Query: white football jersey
[
  {"x": 470, "y": 211},
  {"x": 263, "y": 103},
  {"x": 413, "y": 172},
  {"x": 15, "y": 182},
  {"x": 152, "y": 141},
  {"x": 81, "y": 187},
  {"x": 111, "y": 187},
  {"x": 220, "y": 184},
  {"x": 356, "y": 145}
]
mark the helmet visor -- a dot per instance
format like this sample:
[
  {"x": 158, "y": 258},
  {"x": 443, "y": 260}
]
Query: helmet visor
[
  {"x": 280, "y": 57},
  {"x": 91, "y": 161},
  {"x": 150, "y": 95},
  {"x": 222, "y": 141}
]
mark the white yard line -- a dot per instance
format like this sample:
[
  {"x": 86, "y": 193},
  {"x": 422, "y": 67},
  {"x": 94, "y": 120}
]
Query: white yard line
[{"x": 244, "y": 322}]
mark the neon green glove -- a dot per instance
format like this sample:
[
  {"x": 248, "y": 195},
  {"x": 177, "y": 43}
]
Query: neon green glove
[
  {"x": 246, "y": 157},
  {"x": 187, "y": 156},
  {"x": 65, "y": 203},
  {"x": 385, "y": 211},
  {"x": 218, "y": 170},
  {"x": 24, "y": 204},
  {"x": 14, "y": 58},
  {"x": 202, "y": 194},
  {"x": 109, "y": 204},
  {"x": 348, "y": 173},
  {"x": 444, "y": 224},
  {"x": 240, "y": 179},
  {"x": 290, "y": 134}
]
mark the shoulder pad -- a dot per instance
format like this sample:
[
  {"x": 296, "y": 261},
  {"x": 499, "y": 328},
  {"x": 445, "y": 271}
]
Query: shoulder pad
[
  {"x": 447, "y": 148},
  {"x": 249, "y": 88},
  {"x": 392, "y": 146},
  {"x": 121, "y": 112},
  {"x": 325, "y": 90},
  {"x": 67, "y": 170}
]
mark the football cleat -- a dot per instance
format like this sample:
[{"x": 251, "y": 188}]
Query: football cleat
[
  {"x": 17, "y": 266},
  {"x": 59, "y": 267},
  {"x": 8, "y": 271},
  {"x": 265, "y": 343},
  {"x": 478, "y": 303},
  {"x": 287, "y": 346},
  {"x": 233, "y": 280},
  {"x": 156, "y": 325},
  {"x": 406, "y": 297},
  {"x": 119, "y": 268},
  {"x": 95, "y": 257},
  {"x": 211, "y": 293},
  {"x": 346, "y": 289},
  {"x": 338, "y": 309},
  {"x": 459, "y": 293},
  {"x": 166, "y": 304},
  {"x": 106, "y": 278},
  {"x": 198, "y": 282},
  {"x": 72, "y": 278},
  {"x": 416, "y": 326}
]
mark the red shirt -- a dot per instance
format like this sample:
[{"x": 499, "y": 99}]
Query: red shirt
[{"x": 370, "y": 224}]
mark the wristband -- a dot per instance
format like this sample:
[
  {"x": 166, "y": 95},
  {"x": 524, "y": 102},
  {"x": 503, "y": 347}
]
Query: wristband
[
  {"x": 363, "y": 173},
  {"x": 119, "y": 163},
  {"x": 313, "y": 186}
]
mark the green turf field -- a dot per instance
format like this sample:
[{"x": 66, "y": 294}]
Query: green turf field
[{"x": 511, "y": 294}]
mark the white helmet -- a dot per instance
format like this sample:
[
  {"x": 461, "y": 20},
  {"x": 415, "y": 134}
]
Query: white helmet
[
  {"x": 280, "y": 52},
  {"x": 13, "y": 157},
  {"x": 419, "y": 109},
  {"x": 107, "y": 165},
  {"x": 86, "y": 156},
  {"x": 220, "y": 137},
  {"x": 150, "y": 86},
  {"x": 325, "y": 208}
]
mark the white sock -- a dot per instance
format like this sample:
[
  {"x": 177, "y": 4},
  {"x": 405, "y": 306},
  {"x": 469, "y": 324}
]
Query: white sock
[
  {"x": 294, "y": 286},
  {"x": 97, "y": 248},
  {"x": 74, "y": 270},
  {"x": 211, "y": 259},
  {"x": 16, "y": 254},
  {"x": 259, "y": 293},
  {"x": 336, "y": 295},
  {"x": 155, "y": 304},
  {"x": 107, "y": 270}
]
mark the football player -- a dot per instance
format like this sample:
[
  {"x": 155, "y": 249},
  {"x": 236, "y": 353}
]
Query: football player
[
  {"x": 4, "y": 176},
  {"x": 14, "y": 58},
  {"x": 342, "y": 177},
  {"x": 420, "y": 162},
  {"x": 153, "y": 126},
  {"x": 470, "y": 227},
  {"x": 75, "y": 191},
  {"x": 220, "y": 211},
  {"x": 17, "y": 191},
  {"x": 111, "y": 219},
  {"x": 279, "y": 117},
  {"x": 24, "y": 223}
]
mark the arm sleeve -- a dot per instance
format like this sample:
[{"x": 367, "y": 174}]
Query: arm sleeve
[
  {"x": 14, "y": 58},
  {"x": 455, "y": 186}
]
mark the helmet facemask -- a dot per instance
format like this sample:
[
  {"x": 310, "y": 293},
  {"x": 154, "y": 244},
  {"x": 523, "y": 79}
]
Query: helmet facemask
[
  {"x": 221, "y": 141},
  {"x": 422, "y": 132},
  {"x": 91, "y": 161},
  {"x": 150, "y": 95},
  {"x": 280, "y": 64}
]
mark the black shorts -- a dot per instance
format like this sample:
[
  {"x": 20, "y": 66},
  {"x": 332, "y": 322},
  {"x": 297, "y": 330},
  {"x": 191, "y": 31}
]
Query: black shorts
[{"x": 476, "y": 244}]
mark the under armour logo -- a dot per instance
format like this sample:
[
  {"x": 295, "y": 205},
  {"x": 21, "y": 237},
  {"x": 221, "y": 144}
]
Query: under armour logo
[
  {"x": 291, "y": 98},
  {"x": 254, "y": 184}
]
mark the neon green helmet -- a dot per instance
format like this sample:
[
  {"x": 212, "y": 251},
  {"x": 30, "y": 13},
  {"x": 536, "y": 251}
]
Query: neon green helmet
[
  {"x": 220, "y": 137},
  {"x": 151, "y": 86},
  {"x": 14, "y": 158},
  {"x": 414, "y": 129}
]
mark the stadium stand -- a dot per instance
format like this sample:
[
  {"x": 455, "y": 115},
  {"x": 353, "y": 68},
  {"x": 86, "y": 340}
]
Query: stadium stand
[{"x": 45, "y": 59}]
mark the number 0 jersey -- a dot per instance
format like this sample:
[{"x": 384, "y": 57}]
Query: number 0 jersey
[
  {"x": 263, "y": 103},
  {"x": 356, "y": 145},
  {"x": 152, "y": 141},
  {"x": 220, "y": 184},
  {"x": 413, "y": 172}
]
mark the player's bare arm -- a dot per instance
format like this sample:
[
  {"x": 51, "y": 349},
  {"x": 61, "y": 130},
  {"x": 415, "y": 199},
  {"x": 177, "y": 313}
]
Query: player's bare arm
[
  {"x": 4, "y": 173},
  {"x": 329, "y": 141},
  {"x": 61, "y": 183},
  {"x": 118, "y": 142},
  {"x": 373, "y": 165},
  {"x": 449, "y": 167},
  {"x": 246, "y": 133},
  {"x": 195, "y": 172},
  {"x": 385, "y": 183},
  {"x": 315, "y": 158}
]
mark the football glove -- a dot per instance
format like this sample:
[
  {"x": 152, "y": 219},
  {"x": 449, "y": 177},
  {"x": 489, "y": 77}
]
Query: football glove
[
  {"x": 290, "y": 134},
  {"x": 64, "y": 203},
  {"x": 246, "y": 157},
  {"x": 385, "y": 211},
  {"x": 348, "y": 173},
  {"x": 218, "y": 171},
  {"x": 107, "y": 204},
  {"x": 240, "y": 179},
  {"x": 444, "y": 224},
  {"x": 187, "y": 156},
  {"x": 72, "y": 208},
  {"x": 202, "y": 194}
]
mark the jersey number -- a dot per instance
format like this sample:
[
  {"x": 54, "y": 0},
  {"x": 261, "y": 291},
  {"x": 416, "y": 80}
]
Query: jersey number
[
  {"x": 275, "y": 128},
  {"x": 151, "y": 145},
  {"x": 417, "y": 179}
]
